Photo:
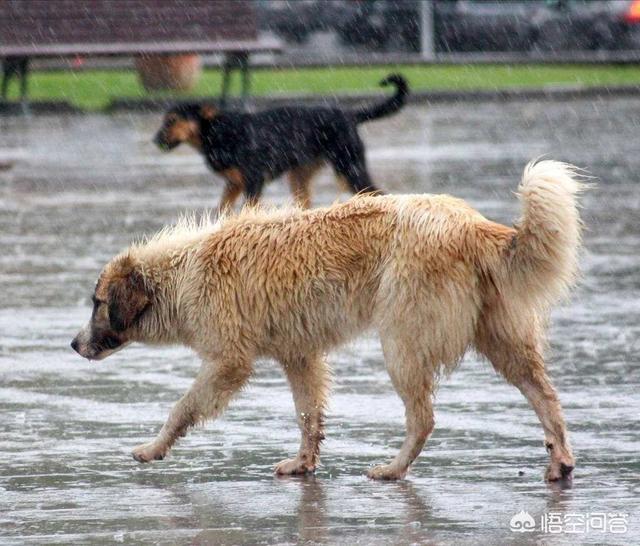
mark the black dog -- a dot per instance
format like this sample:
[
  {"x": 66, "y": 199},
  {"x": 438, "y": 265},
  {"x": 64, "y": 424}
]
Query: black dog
[{"x": 251, "y": 149}]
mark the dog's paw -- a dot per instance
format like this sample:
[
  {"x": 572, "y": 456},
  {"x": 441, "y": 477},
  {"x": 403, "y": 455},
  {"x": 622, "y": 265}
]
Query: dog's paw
[
  {"x": 386, "y": 472},
  {"x": 560, "y": 470},
  {"x": 294, "y": 467},
  {"x": 149, "y": 452}
]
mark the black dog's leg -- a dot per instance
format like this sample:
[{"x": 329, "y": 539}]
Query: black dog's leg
[
  {"x": 253, "y": 184},
  {"x": 349, "y": 163},
  {"x": 356, "y": 177}
]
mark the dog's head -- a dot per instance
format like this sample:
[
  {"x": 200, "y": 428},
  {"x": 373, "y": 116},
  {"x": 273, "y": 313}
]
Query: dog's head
[
  {"x": 120, "y": 300},
  {"x": 183, "y": 123}
]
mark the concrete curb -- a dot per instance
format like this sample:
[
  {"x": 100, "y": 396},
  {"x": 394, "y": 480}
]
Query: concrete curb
[
  {"x": 38, "y": 108},
  {"x": 346, "y": 100},
  {"x": 416, "y": 97}
]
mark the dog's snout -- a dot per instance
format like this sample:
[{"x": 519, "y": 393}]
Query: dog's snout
[
  {"x": 161, "y": 142},
  {"x": 566, "y": 470},
  {"x": 75, "y": 344}
]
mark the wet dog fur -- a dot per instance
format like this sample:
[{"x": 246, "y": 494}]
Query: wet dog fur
[
  {"x": 248, "y": 150},
  {"x": 431, "y": 275}
]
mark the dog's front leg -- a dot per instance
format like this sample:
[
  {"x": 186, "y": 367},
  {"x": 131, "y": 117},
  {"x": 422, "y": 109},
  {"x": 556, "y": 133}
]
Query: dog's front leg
[
  {"x": 310, "y": 381},
  {"x": 253, "y": 185},
  {"x": 412, "y": 378},
  {"x": 209, "y": 395},
  {"x": 229, "y": 197}
]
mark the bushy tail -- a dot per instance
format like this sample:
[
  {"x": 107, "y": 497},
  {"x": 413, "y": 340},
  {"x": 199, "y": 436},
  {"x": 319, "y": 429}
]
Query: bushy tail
[
  {"x": 543, "y": 263},
  {"x": 390, "y": 106}
]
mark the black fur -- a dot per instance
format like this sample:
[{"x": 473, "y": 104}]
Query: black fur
[
  {"x": 264, "y": 145},
  {"x": 389, "y": 107}
]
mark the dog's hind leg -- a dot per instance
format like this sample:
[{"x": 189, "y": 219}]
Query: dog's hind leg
[
  {"x": 310, "y": 380},
  {"x": 522, "y": 365},
  {"x": 412, "y": 378},
  {"x": 348, "y": 160},
  {"x": 355, "y": 178},
  {"x": 209, "y": 395}
]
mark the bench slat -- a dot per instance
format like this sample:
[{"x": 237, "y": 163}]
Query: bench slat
[
  {"x": 62, "y": 50},
  {"x": 119, "y": 27}
]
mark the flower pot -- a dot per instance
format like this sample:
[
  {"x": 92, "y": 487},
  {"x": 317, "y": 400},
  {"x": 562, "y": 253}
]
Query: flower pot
[{"x": 164, "y": 72}]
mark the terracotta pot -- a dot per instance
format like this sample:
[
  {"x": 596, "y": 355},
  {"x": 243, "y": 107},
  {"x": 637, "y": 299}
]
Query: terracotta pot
[{"x": 161, "y": 72}]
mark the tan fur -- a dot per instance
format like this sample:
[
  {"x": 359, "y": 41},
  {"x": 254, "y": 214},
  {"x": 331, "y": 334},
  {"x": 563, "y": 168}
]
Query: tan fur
[
  {"x": 208, "y": 112},
  {"x": 184, "y": 130},
  {"x": 300, "y": 181},
  {"x": 431, "y": 275},
  {"x": 232, "y": 190}
]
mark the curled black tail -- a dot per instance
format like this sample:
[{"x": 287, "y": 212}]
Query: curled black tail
[{"x": 390, "y": 106}]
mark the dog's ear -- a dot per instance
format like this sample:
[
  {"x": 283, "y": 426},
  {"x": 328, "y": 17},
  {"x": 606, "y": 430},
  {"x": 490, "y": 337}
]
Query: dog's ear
[
  {"x": 208, "y": 112},
  {"x": 127, "y": 298}
]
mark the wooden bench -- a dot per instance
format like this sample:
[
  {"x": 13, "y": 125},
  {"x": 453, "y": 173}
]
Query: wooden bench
[{"x": 66, "y": 28}]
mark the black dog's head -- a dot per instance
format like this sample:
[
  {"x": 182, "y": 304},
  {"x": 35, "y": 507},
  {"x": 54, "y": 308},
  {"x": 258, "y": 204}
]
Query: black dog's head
[{"x": 183, "y": 123}]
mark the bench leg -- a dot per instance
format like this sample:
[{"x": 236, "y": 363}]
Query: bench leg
[
  {"x": 246, "y": 78},
  {"x": 7, "y": 73},
  {"x": 19, "y": 67},
  {"x": 24, "y": 71},
  {"x": 5, "y": 85},
  {"x": 226, "y": 81},
  {"x": 232, "y": 61}
]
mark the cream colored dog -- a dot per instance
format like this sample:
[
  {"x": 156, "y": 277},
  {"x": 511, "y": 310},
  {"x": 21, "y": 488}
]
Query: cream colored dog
[{"x": 429, "y": 273}]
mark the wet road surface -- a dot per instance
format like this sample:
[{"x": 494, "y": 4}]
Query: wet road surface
[{"x": 77, "y": 190}]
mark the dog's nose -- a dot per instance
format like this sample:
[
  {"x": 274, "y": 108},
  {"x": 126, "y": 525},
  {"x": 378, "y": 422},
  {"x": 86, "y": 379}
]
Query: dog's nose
[
  {"x": 565, "y": 470},
  {"x": 74, "y": 345}
]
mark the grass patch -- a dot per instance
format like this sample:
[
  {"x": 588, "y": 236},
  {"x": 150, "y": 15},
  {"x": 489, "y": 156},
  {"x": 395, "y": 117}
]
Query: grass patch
[{"x": 94, "y": 89}]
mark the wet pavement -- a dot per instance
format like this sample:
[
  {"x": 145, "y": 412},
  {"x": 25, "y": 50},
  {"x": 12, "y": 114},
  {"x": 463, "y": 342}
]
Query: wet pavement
[{"x": 74, "y": 191}]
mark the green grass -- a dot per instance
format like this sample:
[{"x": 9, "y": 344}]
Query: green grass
[{"x": 94, "y": 89}]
